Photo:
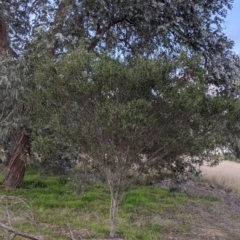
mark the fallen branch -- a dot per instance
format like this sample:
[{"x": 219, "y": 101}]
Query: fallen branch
[
  {"x": 17, "y": 233},
  {"x": 70, "y": 235}
]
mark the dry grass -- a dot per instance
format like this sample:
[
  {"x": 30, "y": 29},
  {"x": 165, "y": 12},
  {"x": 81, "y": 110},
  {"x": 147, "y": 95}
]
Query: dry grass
[{"x": 226, "y": 175}]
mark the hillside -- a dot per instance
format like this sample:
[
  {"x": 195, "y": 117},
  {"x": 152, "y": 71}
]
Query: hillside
[{"x": 205, "y": 211}]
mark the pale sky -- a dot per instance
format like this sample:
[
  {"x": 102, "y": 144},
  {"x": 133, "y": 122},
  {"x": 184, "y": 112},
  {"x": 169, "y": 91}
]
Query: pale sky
[{"x": 233, "y": 25}]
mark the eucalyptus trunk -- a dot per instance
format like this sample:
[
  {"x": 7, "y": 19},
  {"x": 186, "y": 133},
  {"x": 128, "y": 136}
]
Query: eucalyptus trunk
[{"x": 17, "y": 165}]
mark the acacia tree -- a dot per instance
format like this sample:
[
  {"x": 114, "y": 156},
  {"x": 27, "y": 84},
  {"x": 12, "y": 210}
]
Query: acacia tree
[
  {"x": 126, "y": 116},
  {"x": 139, "y": 27}
]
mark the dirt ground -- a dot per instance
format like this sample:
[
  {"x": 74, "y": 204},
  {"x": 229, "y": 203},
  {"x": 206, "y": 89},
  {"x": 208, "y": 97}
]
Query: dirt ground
[{"x": 218, "y": 220}]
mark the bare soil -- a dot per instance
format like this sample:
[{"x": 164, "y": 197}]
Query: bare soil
[{"x": 218, "y": 220}]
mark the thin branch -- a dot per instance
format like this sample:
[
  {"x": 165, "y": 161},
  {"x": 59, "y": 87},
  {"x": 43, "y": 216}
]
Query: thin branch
[
  {"x": 4, "y": 120},
  {"x": 3, "y": 111},
  {"x": 8, "y": 215},
  {"x": 17, "y": 233},
  {"x": 102, "y": 30},
  {"x": 70, "y": 231},
  {"x": 18, "y": 200}
]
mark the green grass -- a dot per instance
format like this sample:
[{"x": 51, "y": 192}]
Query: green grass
[{"x": 143, "y": 212}]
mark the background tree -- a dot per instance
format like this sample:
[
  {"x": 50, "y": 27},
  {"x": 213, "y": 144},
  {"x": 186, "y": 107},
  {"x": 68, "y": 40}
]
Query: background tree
[
  {"x": 20, "y": 21},
  {"x": 126, "y": 116},
  {"x": 157, "y": 26},
  {"x": 9, "y": 116}
]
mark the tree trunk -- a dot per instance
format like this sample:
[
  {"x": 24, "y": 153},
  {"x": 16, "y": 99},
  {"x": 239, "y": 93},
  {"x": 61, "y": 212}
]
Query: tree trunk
[
  {"x": 17, "y": 164},
  {"x": 113, "y": 213}
]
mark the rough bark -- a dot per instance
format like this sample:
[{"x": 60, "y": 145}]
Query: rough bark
[
  {"x": 17, "y": 164},
  {"x": 4, "y": 44},
  {"x": 5, "y": 49}
]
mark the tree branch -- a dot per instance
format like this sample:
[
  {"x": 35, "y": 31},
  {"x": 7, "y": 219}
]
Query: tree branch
[
  {"x": 17, "y": 233},
  {"x": 101, "y": 31}
]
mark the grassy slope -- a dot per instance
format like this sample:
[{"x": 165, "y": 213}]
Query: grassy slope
[{"x": 145, "y": 212}]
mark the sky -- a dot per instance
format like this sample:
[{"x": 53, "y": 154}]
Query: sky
[{"x": 232, "y": 25}]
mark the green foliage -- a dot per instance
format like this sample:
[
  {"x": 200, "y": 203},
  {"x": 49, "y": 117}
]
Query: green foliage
[
  {"x": 103, "y": 105},
  {"x": 140, "y": 115},
  {"x": 138, "y": 28},
  {"x": 118, "y": 111}
]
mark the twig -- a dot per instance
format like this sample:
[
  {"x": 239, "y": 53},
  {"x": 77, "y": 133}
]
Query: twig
[
  {"x": 70, "y": 230},
  {"x": 89, "y": 235},
  {"x": 17, "y": 200},
  {"x": 8, "y": 215},
  {"x": 13, "y": 236},
  {"x": 70, "y": 234},
  {"x": 17, "y": 233},
  {"x": 12, "y": 200}
]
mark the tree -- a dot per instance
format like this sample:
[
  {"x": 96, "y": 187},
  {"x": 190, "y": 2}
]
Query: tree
[
  {"x": 126, "y": 116},
  {"x": 18, "y": 24},
  {"x": 17, "y": 165},
  {"x": 145, "y": 28}
]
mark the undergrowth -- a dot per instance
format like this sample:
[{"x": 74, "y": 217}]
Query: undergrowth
[{"x": 144, "y": 213}]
